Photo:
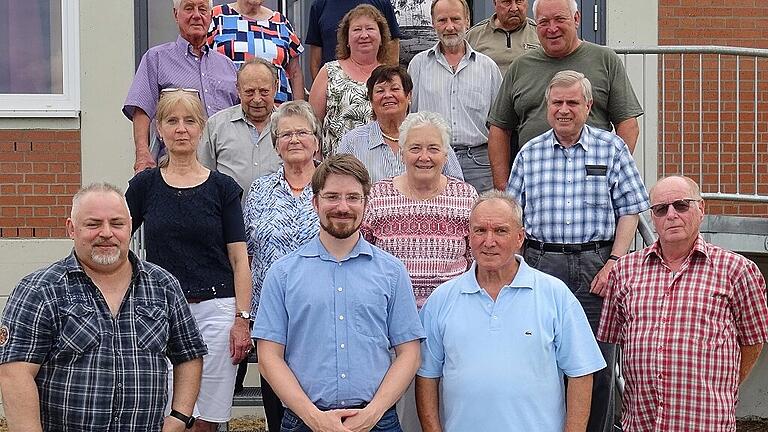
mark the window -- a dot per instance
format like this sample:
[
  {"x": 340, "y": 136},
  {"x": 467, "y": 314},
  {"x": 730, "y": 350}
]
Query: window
[{"x": 39, "y": 64}]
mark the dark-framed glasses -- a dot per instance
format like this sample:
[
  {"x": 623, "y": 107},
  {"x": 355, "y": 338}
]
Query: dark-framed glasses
[{"x": 680, "y": 206}]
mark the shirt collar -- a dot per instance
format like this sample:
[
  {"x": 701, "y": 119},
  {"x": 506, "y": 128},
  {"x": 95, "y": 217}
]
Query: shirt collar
[
  {"x": 72, "y": 264},
  {"x": 186, "y": 48},
  {"x": 700, "y": 247},
  {"x": 494, "y": 27},
  {"x": 315, "y": 248},
  {"x": 375, "y": 136},
  {"x": 584, "y": 141},
  {"x": 523, "y": 279},
  {"x": 470, "y": 54}
]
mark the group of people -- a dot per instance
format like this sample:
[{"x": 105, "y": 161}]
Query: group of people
[{"x": 442, "y": 247}]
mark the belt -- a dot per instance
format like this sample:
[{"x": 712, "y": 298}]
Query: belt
[
  {"x": 568, "y": 248},
  {"x": 462, "y": 148}
]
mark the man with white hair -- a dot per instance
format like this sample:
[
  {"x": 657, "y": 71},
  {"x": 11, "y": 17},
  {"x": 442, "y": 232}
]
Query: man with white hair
[
  {"x": 520, "y": 109},
  {"x": 188, "y": 63},
  {"x": 581, "y": 195},
  {"x": 84, "y": 342},
  {"x": 459, "y": 83}
]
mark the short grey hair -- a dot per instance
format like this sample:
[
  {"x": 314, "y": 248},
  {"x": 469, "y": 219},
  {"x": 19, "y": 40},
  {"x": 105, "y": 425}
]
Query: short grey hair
[
  {"x": 572, "y": 6},
  {"x": 494, "y": 194},
  {"x": 177, "y": 3},
  {"x": 296, "y": 108},
  {"x": 259, "y": 61},
  {"x": 568, "y": 78},
  {"x": 425, "y": 118},
  {"x": 102, "y": 187}
]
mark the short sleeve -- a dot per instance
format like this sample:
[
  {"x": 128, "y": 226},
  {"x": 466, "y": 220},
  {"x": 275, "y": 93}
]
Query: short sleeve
[
  {"x": 516, "y": 182},
  {"x": 612, "y": 317},
  {"x": 206, "y": 152},
  {"x": 314, "y": 32},
  {"x": 575, "y": 346},
  {"x": 144, "y": 92},
  {"x": 27, "y": 319},
  {"x": 136, "y": 197},
  {"x": 452, "y": 167},
  {"x": 231, "y": 210},
  {"x": 432, "y": 350},
  {"x": 403, "y": 318},
  {"x": 502, "y": 112},
  {"x": 628, "y": 192},
  {"x": 295, "y": 48},
  {"x": 272, "y": 317},
  {"x": 622, "y": 100},
  {"x": 751, "y": 311}
]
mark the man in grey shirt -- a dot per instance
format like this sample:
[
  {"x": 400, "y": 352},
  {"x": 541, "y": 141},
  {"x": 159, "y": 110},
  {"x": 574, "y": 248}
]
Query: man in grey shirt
[
  {"x": 459, "y": 83},
  {"x": 237, "y": 141}
]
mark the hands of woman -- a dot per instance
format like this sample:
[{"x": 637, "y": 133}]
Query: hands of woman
[{"x": 240, "y": 344}]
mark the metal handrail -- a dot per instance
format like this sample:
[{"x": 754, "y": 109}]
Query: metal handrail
[{"x": 692, "y": 49}]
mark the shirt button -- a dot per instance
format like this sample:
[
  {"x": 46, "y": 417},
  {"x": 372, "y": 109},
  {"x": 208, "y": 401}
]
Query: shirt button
[
  {"x": 339, "y": 289},
  {"x": 343, "y": 403},
  {"x": 342, "y": 346},
  {"x": 495, "y": 317},
  {"x": 341, "y": 317},
  {"x": 119, "y": 385},
  {"x": 343, "y": 375},
  {"x": 255, "y": 164},
  {"x": 203, "y": 74},
  {"x": 117, "y": 418}
]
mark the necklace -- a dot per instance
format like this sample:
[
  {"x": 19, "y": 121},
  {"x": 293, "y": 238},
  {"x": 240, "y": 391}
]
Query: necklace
[
  {"x": 295, "y": 189},
  {"x": 389, "y": 137}
]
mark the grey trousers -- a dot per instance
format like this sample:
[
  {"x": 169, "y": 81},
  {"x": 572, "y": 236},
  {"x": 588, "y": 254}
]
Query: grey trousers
[
  {"x": 476, "y": 167},
  {"x": 577, "y": 271}
]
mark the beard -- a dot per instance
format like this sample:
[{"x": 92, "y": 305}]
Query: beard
[
  {"x": 340, "y": 230},
  {"x": 105, "y": 258},
  {"x": 453, "y": 40}
]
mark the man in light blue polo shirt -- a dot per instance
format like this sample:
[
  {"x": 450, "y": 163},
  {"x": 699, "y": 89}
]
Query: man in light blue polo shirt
[
  {"x": 330, "y": 312},
  {"x": 502, "y": 336}
]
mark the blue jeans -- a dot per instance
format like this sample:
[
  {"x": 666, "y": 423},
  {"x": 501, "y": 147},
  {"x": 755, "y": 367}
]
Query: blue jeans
[
  {"x": 387, "y": 423},
  {"x": 577, "y": 271},
  {"x": 476, "y": 167}
]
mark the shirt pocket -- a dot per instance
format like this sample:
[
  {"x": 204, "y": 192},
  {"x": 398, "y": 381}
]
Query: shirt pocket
[
  {"x": 596, "y": 191},
  {"x": 151, "y": 328},
  {"x": 712, "y": 325},
  {"x": 369, "y": 319},
  {"x": 80, "y": 331}
]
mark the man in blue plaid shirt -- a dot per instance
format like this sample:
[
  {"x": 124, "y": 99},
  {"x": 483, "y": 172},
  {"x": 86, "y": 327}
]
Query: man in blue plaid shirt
[
  {"x": 84, "y": 342},
  {"x": 581, "y": 195}
]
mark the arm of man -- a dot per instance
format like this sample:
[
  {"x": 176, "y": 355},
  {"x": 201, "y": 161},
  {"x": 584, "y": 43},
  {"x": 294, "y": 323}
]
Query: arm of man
[
  {"x": 275, "y": 370},
  {"x": 144, "y": 159},
  {"x": 625, "y": 232},
  {"x": 315, "y": 60},
  {"x": 394, "y": 384},
  {"x": 240, "y": 334},
  {"x": 296, "y": 78},
  {"x": 499, "y": 155},
  {"x": 20, "y": 396},
  {"x": 186, "y": 386},
  {"x": 428, "y": 403},
  {"x": 628, "y": 130},
  {"x": 393, "y": 48},
  {"x": 749, "y": 356},
  {"x": 577, "y": 404}
]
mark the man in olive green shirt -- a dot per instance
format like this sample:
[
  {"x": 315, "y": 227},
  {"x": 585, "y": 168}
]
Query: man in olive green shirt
[{"x": 506, "y": 35}]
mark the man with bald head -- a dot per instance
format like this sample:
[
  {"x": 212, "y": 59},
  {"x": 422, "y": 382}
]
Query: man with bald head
[
  {"x": 690, "y": 317},
  {"x": 237, "y": 141},
  {"x": 520, "y": 110},
  {"x": 84, "y": 342}
]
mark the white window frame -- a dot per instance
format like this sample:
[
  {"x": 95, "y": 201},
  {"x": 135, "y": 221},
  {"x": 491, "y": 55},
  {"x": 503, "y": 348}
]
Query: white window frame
[{"x": 54, "y": 105}]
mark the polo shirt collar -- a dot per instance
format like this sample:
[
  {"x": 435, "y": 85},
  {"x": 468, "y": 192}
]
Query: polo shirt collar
[
  {"x": 315, "y": 248},
  {"x": 492, "y": 25},
  {"x": 524, "y": 278}
]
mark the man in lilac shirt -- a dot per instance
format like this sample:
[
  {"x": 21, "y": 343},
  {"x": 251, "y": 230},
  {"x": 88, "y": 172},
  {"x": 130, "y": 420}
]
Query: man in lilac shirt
[{"x": 186, "y": 63}]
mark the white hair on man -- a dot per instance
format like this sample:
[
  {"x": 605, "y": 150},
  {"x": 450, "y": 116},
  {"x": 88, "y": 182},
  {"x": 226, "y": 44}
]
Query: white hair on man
[
  {"x": 572, "y": 6},
  {"x": 568, "y": 78}
]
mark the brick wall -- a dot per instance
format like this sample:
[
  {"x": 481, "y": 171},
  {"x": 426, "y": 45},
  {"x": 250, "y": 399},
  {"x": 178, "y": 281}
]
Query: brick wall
[
  {"x": 691, "y": 91},
  {"x": 39, "y": 173}
]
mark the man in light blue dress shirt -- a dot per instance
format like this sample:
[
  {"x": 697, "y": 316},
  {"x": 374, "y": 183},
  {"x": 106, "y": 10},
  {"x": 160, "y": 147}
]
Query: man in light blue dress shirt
[
  {"x": 501, "y": 338},
  {"x": 331, "y": 311}
]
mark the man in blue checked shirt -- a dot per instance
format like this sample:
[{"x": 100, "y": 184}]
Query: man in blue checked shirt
[
  {"x": 581, "y": 195},
  {"x": 330, "y": 312},
  {"x": 84, "y": 342}
]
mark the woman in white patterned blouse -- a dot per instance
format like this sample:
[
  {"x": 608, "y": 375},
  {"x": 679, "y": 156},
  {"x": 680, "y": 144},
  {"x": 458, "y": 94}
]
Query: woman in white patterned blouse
[{"x": 278, "y": 210}]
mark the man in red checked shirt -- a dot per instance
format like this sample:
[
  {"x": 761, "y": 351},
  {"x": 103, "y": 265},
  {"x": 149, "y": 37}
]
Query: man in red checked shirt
[{"x": 691, "y": 319}]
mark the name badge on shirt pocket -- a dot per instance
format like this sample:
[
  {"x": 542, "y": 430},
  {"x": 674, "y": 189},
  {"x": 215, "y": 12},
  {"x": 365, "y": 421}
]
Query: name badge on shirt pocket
[{"x": 597, "y": 170}]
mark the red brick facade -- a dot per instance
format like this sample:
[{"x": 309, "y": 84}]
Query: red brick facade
[
  {"x": 40, "y": 170},
  {"x": 737, "y": 23}
]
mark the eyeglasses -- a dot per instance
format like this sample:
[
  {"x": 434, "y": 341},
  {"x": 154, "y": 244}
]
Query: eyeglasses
[
  {"x": 351, "y": 199},
  {"x": 168, "y": 90},
  {"x": 681, "y": 206},
  {"x": 288, "y": 135}
]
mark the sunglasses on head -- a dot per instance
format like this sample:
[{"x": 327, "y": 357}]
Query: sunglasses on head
[
  {"x": 176, "y": 89},
  {"x": 681, "y": 206}
]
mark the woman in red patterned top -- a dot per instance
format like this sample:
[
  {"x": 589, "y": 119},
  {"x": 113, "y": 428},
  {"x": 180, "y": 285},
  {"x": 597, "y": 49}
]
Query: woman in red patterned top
[{"x": 422, "y": 216}]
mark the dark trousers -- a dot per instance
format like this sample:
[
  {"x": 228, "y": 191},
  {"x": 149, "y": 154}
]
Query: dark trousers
[
  {"x": 577, "y": 271},
  {"x": 387, "y": 423}
]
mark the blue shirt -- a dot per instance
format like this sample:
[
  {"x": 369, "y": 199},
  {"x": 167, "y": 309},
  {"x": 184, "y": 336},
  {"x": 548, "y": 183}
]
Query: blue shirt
[
  {"x": 575, "y": 195},
  {"x": 326, "y": 15},
  {"x": 276, "y": 224},
  {"x": 100, "y": 372},
  {"x": 502, "y": 363},
  {"x": 366, "y": 143},
  {"x": 338, "y": 319}
]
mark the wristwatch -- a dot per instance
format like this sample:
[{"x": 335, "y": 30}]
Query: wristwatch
[
  {"x": 244, "y": 315},
  {"x": 189, "y": 421}
]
